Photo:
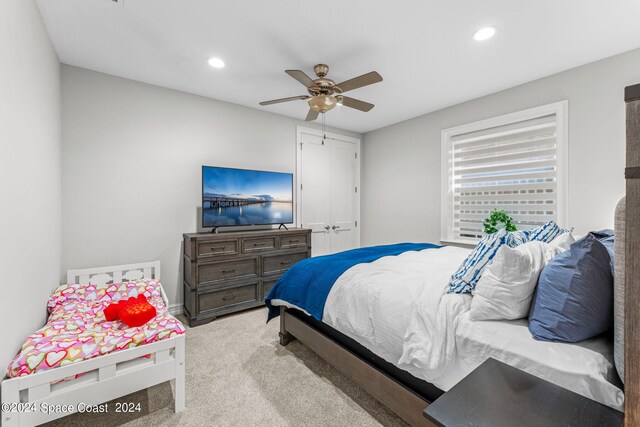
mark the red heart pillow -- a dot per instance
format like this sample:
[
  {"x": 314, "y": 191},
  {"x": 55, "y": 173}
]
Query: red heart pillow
[
  {"x": 136, "y": 311},
  {"x": 133, "y": 311},
  {"x": 112, "y": 312}
]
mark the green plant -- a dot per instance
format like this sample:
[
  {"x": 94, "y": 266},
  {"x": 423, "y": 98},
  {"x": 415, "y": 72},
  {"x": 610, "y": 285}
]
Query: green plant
[{"x": 495, "y": 219}]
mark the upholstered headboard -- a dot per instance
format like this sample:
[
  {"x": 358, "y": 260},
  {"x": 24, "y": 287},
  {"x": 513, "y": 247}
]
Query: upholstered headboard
[{"x": 619, "y": 286}]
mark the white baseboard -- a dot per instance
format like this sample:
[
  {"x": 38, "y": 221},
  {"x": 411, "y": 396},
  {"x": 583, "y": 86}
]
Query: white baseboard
[{"x": 175, "y": 309}]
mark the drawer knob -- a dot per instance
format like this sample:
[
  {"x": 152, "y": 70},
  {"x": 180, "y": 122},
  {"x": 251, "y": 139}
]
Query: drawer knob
[
  {"x": 294, "y": 241},
  {"x": 229, "y": 297},
  {"x": 260, "y": 244},
  {"x": 285, "y": 262},
  {"x": 219, "y": 248},
  {"x": 233, "y": 270}
]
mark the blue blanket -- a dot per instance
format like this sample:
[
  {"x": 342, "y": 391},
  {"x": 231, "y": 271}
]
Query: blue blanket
[{"x": 307, "y": 284}]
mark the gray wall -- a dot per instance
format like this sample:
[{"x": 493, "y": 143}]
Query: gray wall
[
  {"x": 29, "y": 173},
  {"x": 401, "y": 177},
  {"x": 131, "y": 159}
]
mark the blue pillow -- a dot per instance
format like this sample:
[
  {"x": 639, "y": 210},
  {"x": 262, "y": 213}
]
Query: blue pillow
[
  {"x": 606, "y": 238},
  {"x": 547, "y": 232},
  {"x": 574, "y": 298},
  {"x": 464, "y": 280}
]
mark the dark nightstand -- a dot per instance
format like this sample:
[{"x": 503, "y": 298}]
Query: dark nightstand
[{"x": 496, "y": 394}]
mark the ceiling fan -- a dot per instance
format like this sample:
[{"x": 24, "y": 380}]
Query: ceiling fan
[{"x": 324, "y": 93}]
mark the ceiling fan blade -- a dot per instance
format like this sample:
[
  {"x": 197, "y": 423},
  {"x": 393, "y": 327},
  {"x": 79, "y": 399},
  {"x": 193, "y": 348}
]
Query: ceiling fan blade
[
  {"x": 358, "y": 82},
  {"x": 277, "y": 101},
  {"x": 301, "y": 77},
  {"x": 312, "y": 115},
  {"x": 356, "y": 103}
]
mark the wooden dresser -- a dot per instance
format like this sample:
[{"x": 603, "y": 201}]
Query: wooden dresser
[{"x": 233, "y": 271}]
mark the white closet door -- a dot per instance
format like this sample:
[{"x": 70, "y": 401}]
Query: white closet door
[
  {"x": 315, "y": 192},
  {"x": 343, "y": 196}
]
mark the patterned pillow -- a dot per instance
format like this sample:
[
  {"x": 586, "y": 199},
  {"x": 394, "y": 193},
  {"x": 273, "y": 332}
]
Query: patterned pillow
[
  {"x": 520, "y": 237},
  {"x": 464, "y": 280},
  {"x": 547, "y": 232},
  {"x": 76, "y": 293}
]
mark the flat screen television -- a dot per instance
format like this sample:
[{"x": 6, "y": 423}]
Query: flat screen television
[{"x": 233, "y": 197}]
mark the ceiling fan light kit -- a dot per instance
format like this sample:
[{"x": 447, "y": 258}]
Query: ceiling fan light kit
[
  {"x": 325, "y": 94},
  {"x": 322, "y": 103}
]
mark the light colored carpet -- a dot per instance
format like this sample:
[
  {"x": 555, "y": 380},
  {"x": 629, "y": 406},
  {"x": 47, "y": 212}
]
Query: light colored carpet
[{"x": 238, "y": 375}]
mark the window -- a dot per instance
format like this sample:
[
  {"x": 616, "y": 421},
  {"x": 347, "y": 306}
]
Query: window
[{"x": 516, "y": 163}]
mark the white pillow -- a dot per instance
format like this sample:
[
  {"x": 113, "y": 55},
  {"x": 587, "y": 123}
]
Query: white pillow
[
  {"x": 563, "y": 241},
  {"x": 506, "y": 287}
]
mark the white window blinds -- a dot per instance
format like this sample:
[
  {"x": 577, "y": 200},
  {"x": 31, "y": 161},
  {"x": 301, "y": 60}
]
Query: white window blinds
[{"x": 511, "y": 163}]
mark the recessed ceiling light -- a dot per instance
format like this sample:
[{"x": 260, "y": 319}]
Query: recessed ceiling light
[
  {"x": 216, "y": 62},
  {"x": 484, "y": 33}
]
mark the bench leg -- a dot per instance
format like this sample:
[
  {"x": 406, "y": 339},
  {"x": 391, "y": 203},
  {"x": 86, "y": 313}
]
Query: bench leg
[
  {"x": 180, "y": 392},
  {"x": 10, "y": 394}
]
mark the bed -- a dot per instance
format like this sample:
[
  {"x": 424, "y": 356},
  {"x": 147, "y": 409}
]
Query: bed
[
  {"x": 48, "y": 394},
  {"x": 360, "y": 337},
  {"x": 396, "y": 314}
]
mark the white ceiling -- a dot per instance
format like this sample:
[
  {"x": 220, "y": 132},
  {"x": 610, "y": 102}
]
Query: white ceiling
[{"x": 423, "y": 48}]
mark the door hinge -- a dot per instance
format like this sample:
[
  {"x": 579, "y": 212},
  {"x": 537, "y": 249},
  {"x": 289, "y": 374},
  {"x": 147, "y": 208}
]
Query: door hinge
[
  {"x": 301, "y": 145},
  {"x": 356, "y": 223},
  {"x": 300, "y": 187},
  {"x": 356, "y": 155},
  {"x": 356, "y": 189}
]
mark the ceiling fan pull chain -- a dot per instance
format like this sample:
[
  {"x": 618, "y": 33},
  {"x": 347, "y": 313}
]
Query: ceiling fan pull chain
[{"x": 324, "y": 133}]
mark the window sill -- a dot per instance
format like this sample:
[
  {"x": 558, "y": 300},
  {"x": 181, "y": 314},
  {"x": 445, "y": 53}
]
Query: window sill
[{"x": 462, "y": 243}]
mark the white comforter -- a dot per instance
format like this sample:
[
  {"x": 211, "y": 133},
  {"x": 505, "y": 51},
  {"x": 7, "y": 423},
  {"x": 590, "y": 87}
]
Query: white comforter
[
  {"x": 398, "y": 308},
  {"x": 400, "y": 302}
]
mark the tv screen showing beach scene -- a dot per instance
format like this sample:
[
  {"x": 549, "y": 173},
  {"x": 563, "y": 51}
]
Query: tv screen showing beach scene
[{"x": 245, "y": 197}]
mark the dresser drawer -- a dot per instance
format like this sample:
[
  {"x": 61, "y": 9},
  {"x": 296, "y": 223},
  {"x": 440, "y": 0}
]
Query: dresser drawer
[
  {"x": 220, "y": 271},
  {"x": 217, "y": 248},
  {"x": 272, "y": 264},
  {"x": 210, "y": 300},
  {"x": 294, "y": 241},
  {"x": 257, "y": 244},
  {"x": 267, "y": 284}
]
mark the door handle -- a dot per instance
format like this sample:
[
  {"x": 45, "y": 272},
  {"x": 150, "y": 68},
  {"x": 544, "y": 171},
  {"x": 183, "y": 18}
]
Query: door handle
[
  {"x": 326, "y": 227},
  {"x": 335, "y": 227}
]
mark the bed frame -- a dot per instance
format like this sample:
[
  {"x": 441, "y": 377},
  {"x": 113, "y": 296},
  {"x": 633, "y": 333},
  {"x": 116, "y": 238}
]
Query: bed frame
[
  {"x": 104, "y": 378},
  {"x": 632, "y": 262},
  {"x": 409, "y": 406}
]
